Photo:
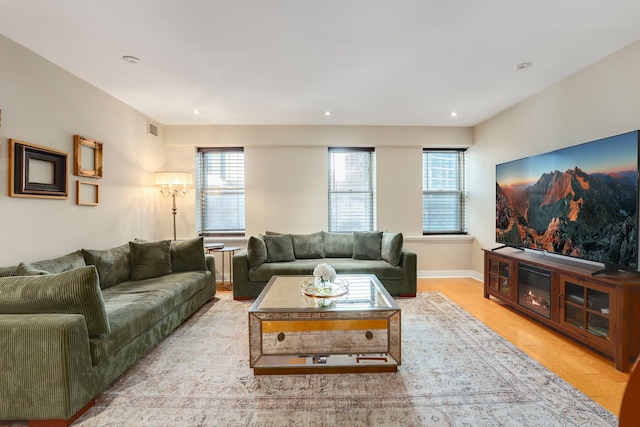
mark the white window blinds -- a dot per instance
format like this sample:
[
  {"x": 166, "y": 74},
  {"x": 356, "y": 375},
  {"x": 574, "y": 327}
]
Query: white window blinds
[
  {"x": 351, "y": 189},
  {"x": 220, "y": 184},
  {"x": 443, "y": 192}
]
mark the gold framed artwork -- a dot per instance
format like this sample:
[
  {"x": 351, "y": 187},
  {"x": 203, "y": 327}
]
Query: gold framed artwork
[
  {"x": 36, "y": 171},
  {"x": 88, "y": 157},
  {"x": 87, "y": 193}
]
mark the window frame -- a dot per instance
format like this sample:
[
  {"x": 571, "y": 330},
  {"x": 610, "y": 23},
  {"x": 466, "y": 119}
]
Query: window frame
[
  {"x": 201, "y": 193},
  {"x": 370, "y": 218},
  {"x": 460, "y": 192}
]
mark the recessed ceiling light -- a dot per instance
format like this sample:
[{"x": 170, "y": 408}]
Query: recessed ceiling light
[
  {"x": 327, "y": 113},
  {"x": 196, "y": 112},
  {"x": 454, "y": 114},
  {"x": 131, "y": 59},
  {"x": 523, "y": 65}
]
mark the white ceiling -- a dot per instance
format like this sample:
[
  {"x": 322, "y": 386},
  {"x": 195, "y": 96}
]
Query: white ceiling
[{"x": 371, "y": 62}]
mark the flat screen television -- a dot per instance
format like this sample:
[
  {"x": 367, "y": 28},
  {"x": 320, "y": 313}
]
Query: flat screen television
[{"x": 580, "y": 201}]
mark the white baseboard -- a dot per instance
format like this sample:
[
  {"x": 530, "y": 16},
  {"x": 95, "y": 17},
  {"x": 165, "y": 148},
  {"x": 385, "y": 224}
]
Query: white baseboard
[
  {"x": 450, "y": 273},
  {"x": 220, "y": 279},
  {"x": 429, "y": 274}
]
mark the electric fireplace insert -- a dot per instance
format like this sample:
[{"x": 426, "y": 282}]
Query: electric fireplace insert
[{"x": 534, "y": 289}]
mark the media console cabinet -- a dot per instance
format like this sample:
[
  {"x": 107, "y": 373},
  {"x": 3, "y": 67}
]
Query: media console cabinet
[{"x": 601, "y": 311}]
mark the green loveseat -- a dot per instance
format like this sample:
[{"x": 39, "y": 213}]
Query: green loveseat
[
  {"x": 71, "y": 325},
  {"x": 379, "y": 253}
]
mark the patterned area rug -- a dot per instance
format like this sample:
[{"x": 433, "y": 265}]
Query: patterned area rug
[{"x": 455, "y": 372}]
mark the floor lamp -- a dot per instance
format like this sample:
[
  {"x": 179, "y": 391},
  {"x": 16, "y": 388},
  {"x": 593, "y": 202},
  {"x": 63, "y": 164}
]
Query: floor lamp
[{"x": 173, "y": 184}]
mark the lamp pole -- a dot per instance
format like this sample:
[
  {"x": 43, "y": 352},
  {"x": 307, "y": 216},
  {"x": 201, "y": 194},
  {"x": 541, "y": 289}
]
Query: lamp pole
[
  {"x": 174, "y": 191},
  {"x": 174, "y": 211}
]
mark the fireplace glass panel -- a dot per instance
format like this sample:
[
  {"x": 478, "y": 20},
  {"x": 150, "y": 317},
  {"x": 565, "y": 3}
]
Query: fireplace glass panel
[{"x": 534, "y": 289}]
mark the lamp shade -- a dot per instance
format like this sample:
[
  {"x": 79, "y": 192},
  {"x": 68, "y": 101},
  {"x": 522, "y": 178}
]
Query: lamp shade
[{"x": 173, "y": 178}]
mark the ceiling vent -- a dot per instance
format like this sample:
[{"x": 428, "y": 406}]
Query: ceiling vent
[{"x": 152, "y": 129}]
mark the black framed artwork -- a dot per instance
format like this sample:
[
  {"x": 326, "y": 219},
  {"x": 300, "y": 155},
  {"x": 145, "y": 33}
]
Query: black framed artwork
[{"x": 36, "y": 171}]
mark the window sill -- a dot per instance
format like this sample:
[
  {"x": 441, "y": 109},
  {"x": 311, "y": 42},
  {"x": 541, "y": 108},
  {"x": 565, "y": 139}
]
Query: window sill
[{"x": 446, "y": 238}]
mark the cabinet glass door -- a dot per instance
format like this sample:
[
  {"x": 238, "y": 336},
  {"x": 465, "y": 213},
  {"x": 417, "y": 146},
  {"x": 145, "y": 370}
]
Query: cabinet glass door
[
  {"x": 598, "y": 313},
  {"x": 499, "y": 276},
  {"x": 586, "y": 308}
]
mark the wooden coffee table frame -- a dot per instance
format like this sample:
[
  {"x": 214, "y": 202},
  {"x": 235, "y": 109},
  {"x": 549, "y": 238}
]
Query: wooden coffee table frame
[{"x": 353, "y": 335}]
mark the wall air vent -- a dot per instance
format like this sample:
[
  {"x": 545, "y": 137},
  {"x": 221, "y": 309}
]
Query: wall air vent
[{"x": 152, "y": 129}]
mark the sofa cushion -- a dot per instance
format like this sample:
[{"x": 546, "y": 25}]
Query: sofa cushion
[
  {"x": 256, "y": 252},
  {"x": 337, "y": 245},
  {"x": 304, "y": 267},
  {"x": 307, "y": 245},
  {"x": 279, "y": 248},
  {"x": 367, "y": 245},
  {"x": 28, "y": 270},
  {"x": 392, "y": 247},
  {"x": 64, "y": 263},
  {"x": 135, "y": 306},
  {"x": 150, "y": 259},
  {"x": 112, "y": 264},
  {"x": 187, "y": 255},
  {"x": 75, "y": 291}
]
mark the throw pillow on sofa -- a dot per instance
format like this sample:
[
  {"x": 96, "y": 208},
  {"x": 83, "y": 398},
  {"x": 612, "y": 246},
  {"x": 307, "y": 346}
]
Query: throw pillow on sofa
[
  {"x": 64, "y": 263},
  {"x": 307, "y": 245},
  {"x": 24, "y": 269},
  {"x": 392, "y": 247},
  {"x": 256, "y": 251},
  {"x": 188, "y": 255},
  {"x": 337, "y": 245},
  {"x": 150, "y": 259},
  {"x": 279, "y": 248},
  {"x": 112, "y": 264},
  {"x": 74, "y": 291},
  {"x": 367, "y": 245}
]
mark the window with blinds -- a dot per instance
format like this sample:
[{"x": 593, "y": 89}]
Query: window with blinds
[
  {"x": 351, "y": 189},
  {"x": 220, "y": 191},
  {"x": 443, "y": 192}
]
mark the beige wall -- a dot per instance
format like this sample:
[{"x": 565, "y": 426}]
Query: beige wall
[
  {"x": 286, "y": 179},
  {"x": 601, "y": 100},
  {"x": 286, "y": 182},
  {"x": 45, "y": 105}
]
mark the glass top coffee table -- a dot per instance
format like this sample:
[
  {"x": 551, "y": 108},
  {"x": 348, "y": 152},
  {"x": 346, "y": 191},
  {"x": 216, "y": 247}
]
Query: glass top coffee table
[{"x": 358, "y": 332}]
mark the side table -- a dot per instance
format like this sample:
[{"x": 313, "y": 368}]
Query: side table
[{"x": 231, "y": 250}]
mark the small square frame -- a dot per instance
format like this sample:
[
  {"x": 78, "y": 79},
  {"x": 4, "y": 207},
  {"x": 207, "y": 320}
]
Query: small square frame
[
  {"x": 36, "y": 171},
  {"x": 81, "y": 168},
  {"x": 89, "y": 187}
]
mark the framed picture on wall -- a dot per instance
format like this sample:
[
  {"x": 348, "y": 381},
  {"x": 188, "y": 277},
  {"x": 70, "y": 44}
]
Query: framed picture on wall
[
  {"x": 36, "y": 171},
  {"x": 88, "y": 157},
  {"x": 87, "y": 193}
]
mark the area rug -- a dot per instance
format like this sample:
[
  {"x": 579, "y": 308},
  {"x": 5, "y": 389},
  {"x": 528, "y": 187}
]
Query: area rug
[{"x": 455, "y": 372}]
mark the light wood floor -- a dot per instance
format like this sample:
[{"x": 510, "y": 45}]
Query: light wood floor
[
  {"x": 590, "y": 372},
  {"x": 587, "y": 370}
]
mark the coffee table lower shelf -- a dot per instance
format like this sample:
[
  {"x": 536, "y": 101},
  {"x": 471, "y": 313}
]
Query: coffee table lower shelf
[{"x": 324, "y": 364}]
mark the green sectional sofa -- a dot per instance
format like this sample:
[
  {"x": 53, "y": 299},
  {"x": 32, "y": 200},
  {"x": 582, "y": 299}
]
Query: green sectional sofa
[
  {"x": 379, "y": 253},
  {"x": 71, "y": 325}
]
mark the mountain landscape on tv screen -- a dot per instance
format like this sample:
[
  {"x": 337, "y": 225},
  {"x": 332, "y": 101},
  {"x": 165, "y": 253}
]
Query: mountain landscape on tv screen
[{"x": 590, "y": 216}]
